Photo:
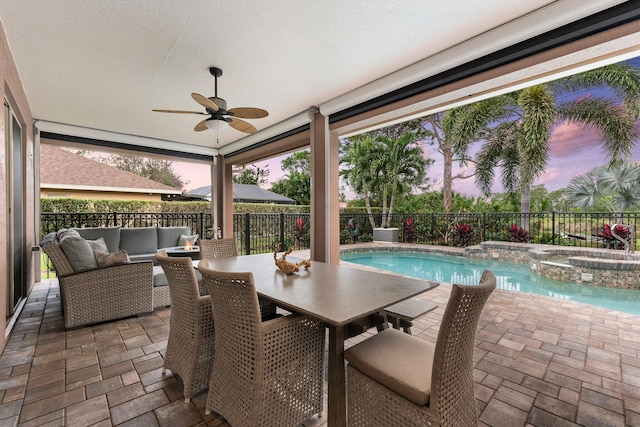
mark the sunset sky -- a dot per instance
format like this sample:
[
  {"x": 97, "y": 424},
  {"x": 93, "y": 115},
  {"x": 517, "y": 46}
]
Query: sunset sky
[{"x": 574, "y": 150}]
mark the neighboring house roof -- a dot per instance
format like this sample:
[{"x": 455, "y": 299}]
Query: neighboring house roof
[
  {"x": 62, "y": 169},
  {"x": 245, "y": 193}
]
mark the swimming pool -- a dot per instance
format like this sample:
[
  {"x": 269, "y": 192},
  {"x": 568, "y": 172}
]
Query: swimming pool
[{"x": 509, "y": 276}]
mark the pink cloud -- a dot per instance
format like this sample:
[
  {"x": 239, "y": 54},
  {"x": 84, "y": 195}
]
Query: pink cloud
[{"x": 569, "y": 139}]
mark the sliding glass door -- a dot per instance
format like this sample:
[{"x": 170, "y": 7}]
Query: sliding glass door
[{"x": 15, "y": 202}]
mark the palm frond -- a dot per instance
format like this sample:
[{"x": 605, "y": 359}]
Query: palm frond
[
  {"x": 621, "y": 78},
  {"x": 616, "y": 128},
  {"x": 583, "y": 190}
]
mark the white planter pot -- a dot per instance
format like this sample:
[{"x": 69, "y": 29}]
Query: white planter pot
[{"x": 385, "y": 235}]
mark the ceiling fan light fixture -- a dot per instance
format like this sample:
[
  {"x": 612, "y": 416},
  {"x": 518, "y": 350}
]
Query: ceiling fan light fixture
[{"x": 217, "y": 124}]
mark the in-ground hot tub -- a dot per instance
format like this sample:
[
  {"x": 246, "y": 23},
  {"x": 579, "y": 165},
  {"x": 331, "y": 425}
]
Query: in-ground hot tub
[{"x": 592, "y": 266}]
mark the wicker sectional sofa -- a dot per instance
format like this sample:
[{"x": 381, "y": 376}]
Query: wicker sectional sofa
[{"x": 92, "y": 294}]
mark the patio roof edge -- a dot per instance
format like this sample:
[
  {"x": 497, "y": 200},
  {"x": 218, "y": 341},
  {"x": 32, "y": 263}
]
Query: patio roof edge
[{"x": 107, "y": 139}]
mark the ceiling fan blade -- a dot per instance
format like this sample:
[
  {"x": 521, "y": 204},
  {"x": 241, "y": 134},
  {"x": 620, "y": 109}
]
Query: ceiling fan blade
[
  {"x": 249, "y": 113},
  {"x": 242, "y": 126},
  {"x": 204, "y": 101},
  {"x": 179, "y": 112},
  {"x": 201, "y": 126}
]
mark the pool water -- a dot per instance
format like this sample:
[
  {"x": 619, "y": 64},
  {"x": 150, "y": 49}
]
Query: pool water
[{"x": 509, "y": 276}]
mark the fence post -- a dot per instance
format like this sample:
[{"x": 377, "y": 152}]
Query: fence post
[
  {"x": 484, "y": 226},
  {"x": 284, "y": 244},
  {"x": 115, "y": 218},
  {"x": 433, "y": 228},
  {"x": 553, "y": 227},
  {"x": 247, "y": 234}
]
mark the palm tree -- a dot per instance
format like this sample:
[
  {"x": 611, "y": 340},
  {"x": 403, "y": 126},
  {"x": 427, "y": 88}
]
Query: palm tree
[
  {"x": 388, "y": 167},
  {"x": 617, "y": 184},
  {"x": 404, "y": 168},
  {"x": 357, "y": 158},
  {"x": 454, "y": 131},
  {"x": 520, "y": 142}
]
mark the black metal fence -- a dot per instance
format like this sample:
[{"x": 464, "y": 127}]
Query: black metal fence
[
  {"x": 464, "y": 229},
  {"x": 259, "y": 233},
  {"x": 198, "y": 221}
]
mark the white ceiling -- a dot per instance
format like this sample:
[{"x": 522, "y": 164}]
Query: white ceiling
[{"x": 106, "y": 64}]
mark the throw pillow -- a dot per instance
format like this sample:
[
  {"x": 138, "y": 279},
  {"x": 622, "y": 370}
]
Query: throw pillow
[
  {"x": 106, "y": 259},
  {"x": 64, "y": 232},
  {"x": 78, "y": 252},
  {"x": 98, "y": 245},
  {"x": 191, "y": 239}
]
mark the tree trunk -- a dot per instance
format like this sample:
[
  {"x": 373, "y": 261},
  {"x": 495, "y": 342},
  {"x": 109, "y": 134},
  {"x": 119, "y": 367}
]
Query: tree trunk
[
  {"x": 447, "y": 181},
  {"x": 525, "y": 206},
  {"x": 384, "y": 207},
  {"x": 391, "y": 204},
  {"x": 367, "y": 203}
]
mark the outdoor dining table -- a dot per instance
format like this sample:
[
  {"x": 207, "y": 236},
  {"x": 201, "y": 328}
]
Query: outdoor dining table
[{"x": 334, "y": 294}]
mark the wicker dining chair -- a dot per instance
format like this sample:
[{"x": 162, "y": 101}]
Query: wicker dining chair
[
  {"x": 264, "y": 373},
  {"x": 190, "y": 346},
  {"x": 218, "y": 248},
  {"x": 397, "y": 379},
  {"x": 226, "y": 248}
]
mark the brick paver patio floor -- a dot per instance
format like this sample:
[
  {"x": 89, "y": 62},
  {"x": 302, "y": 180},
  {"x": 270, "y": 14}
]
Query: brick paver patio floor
[{"x": 539, "y": 362}]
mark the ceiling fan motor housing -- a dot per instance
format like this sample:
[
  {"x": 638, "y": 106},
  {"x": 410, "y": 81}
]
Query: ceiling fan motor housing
[{"x": 221, "y": 103}]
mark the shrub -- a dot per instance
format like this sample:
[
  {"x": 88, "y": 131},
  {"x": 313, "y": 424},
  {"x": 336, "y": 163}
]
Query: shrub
[
  {"x": 409, "y": 230},
  {"x": 610, "y": 240},
  {"x": 518, "y": 234},
  {"x": 300, "y": 232},
  {"x": 463, "y": 235}
]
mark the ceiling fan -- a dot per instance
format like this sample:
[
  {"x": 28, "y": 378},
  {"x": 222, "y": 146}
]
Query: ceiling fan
[{"x": 216, "y": 109}]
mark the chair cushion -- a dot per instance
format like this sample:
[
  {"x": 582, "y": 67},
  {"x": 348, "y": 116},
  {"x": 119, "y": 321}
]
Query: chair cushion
[
  {"x": 106, "y": 259},
  {"x": 111, "y": 236},
  {"x": 399, "y": 361},
  {"x": 78, "y": 252},
  {"x": 169, "y": 236},
  {"x": 139, "y": 240}
]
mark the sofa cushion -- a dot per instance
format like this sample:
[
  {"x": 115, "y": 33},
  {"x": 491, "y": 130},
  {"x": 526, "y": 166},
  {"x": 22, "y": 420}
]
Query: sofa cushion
[
  {"x": 49, "y": 238},
  {"x": 78, "y": 252},
  {"x": 193, "y": 240},
  {"x": 143, "y": 257},
  {"x": 60, "y": 232},
  {"x": 98, "y": 245},
  {"x": 50, "y": 245},
  {"x": 106, "y": 259},
  {"x": 168, "y": 236},
  {"x": 111, "y": 236},
  {"x": 67, "y": 232},
  {"x": 160, "y": 279},
  {"x": 139, "y": 240}
]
